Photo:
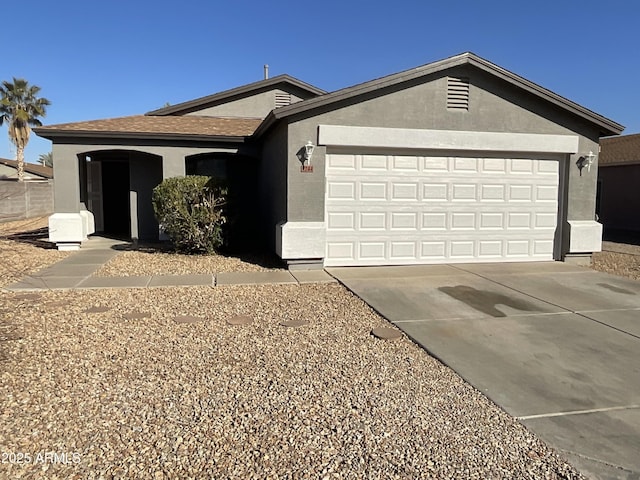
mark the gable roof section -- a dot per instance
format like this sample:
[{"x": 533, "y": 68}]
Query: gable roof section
[
  {"x": 32, "y": 168},
  {"x": 165, "y": 127},
  {"x": 617, "y": 151},
  {"x": 243, "y": 91},
  {"x": 607, "y": 126}
]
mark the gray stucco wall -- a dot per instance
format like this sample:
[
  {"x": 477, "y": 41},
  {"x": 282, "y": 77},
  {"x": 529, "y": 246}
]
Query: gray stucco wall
[
  {"x": 20, "y": 200},
  {"x": 273, "y": 183},
  {"x": 495, "y": 106},
  {"x": 619, "y": 199},
  {"x": 255, "y": 106}
]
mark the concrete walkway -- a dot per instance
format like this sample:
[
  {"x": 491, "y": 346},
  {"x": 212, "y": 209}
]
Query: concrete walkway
[
  {"x": 556, "y": 346},
  {"x": 76, "y": 272}
]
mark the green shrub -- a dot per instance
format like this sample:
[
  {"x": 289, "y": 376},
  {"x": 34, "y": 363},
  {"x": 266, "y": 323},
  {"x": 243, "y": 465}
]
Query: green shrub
[{"x": 190, "y": 211}]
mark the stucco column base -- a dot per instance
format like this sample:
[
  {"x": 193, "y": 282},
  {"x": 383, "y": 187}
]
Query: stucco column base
[
  {"x": 301, "y": 244},
  {"x": 68, "y": 230},
  {"x": 585, "y": 236}
]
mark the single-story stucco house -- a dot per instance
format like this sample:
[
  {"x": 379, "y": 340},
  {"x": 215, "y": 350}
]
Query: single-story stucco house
[
  {"x": 618, "y": 181},
  {"x": 458, "y": 160}
]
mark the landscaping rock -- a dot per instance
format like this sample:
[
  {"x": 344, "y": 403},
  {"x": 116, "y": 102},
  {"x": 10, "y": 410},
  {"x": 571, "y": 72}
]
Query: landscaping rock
[
  {"x": 187, "y": 319},
  {"x": 386, "y": 333},
  {"x": 240, "y": 320}
]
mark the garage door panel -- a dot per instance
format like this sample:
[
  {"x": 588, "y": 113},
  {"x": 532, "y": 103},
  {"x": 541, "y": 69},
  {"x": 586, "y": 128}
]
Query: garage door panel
[
  {"x": 521, "y": 166},
  {"x": 436, "y": 164},
  {"x": 435, "y": 221},
  {"x": 494, "y": 165},
  {"x": 462, "y": 249},
  {"x": 406, "y": 163},
  {"x": 547, "y": 167},
  {"x": 373, "y": 191},
  {"x": 402, "y": 250},
  {"x": 372, "y": 251},
  {"x": 419, "y": 209},
  {"x": 433, "y": 250},
  {"x": 492, "y": 193},
  {"x": 546, "y": 193},
  {"x": 341, "y": 190},
  {"x": 435, "y": 192},
  {"x": 404, "y": 221},
  {"x": 342, "y": 162},
  {"x": 490, "y": 249},
  {"x": 341, "y": 221},
  {"x": 404, "y": 191},
  {"x": 464, "y": 165},
  {"x": 373, "y": 221},
  {"x": 463, "y": 192}
]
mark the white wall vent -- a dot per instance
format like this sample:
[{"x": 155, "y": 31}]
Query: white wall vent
[
  {"x": 457, "y": 93},
  {"x": 283, "y": 99}
]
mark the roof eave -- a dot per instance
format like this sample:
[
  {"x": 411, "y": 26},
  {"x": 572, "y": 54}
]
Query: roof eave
[
  {"x": 56, "y": 134},
  {"x": 610, "y": 127}
]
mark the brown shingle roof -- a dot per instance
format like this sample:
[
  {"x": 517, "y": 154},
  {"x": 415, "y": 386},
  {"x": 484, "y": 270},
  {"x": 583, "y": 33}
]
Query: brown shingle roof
[
  {"x": 40, "y": 170},
  {"x": 157, "y": 126},
  {"x": 623, "y": 150}
]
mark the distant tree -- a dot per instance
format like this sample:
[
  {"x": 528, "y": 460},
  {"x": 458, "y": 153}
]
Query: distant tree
[
  {"x": 21, "y": 108},
  {"x": 46, "y": 159}
]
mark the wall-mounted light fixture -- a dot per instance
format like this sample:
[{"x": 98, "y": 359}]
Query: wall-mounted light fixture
[
  {"x": 304, "y": 155},
  {"x": 585, "y": 161},
  {"x": 308, "y": 152}
]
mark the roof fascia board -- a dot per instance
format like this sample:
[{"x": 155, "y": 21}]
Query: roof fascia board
[
  {"x": 612, "y": 127},
  {"x": 236, "y": 92},
  {"x": 55, "y": 134}
]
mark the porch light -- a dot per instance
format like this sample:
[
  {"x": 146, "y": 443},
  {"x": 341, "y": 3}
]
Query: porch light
[
  {"x": 308, "y": 152},
  {"x": 585, "y": 161}
]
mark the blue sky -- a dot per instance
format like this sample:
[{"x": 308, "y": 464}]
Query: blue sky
[{"x": 123, "y": 57}]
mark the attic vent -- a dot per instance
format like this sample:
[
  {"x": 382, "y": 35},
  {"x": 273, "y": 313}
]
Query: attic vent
[
  {"x": 282, "y": 99},
  {"x": 457, "y": 93}
]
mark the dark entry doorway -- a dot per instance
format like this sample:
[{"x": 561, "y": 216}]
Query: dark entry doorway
[{"x": 115, "y": 197}]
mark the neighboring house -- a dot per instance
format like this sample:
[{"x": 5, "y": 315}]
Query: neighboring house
[
  {"x": 618, "y": 181},
  {"x": 9, "y": 171},
  {"x": 31, "y": 198},
  {"x": 459, "y": 160}
]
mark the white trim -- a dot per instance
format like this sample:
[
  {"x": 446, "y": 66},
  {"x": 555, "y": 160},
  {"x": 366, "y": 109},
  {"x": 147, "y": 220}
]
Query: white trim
[{"x": 376, "y": 137}]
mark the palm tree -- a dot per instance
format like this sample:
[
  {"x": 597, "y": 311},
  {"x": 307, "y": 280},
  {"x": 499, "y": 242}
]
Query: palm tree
[
  {"x": 46, "y": 159},
  {"x": 20, "y": 107}
]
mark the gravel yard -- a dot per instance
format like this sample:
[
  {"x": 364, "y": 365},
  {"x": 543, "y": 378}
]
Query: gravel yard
[
  {"x": 153, "y": 398},
  {"x": 27, "y": 255},
  {"x": 156, "y": 262},
  {"x": 618, "y": 259},
  {"x": 119, "y": 384}
]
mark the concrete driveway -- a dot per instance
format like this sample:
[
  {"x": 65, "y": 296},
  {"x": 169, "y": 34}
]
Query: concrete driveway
[{"x": 555, "y": 345}]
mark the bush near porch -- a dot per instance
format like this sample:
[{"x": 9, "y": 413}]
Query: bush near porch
[{"x": 190, "y": 210}]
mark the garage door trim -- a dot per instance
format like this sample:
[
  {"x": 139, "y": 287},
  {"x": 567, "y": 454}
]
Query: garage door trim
[{"x": 405, "y": 138}]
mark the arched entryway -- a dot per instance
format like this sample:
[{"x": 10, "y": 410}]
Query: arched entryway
[{"x": 116, "y": 186}]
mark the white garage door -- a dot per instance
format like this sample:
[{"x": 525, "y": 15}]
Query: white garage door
[{"x": 406, "y": 209}]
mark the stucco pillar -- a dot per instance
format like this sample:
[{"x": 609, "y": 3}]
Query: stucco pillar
[
  {"x": 66, "y": 193},
  {"x": 582, "y": 232},
  {"x": 173, "y": 165},
  {"x": 68, "y": 226}
]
